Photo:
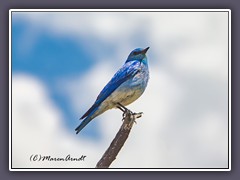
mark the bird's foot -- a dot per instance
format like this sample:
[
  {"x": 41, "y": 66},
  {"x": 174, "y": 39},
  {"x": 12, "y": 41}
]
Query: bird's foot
[
  {"x": 126, "y": 113},
  {"x": 129, "y": 118},
  {"x": 137, "y": 115}
]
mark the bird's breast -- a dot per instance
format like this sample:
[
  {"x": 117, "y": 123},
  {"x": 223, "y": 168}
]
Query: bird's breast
[{"x": 131, "y": 89}]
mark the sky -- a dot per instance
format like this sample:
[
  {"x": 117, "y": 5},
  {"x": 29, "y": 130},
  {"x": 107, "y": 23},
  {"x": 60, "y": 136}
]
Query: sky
[{"x": 62, "y": 60}]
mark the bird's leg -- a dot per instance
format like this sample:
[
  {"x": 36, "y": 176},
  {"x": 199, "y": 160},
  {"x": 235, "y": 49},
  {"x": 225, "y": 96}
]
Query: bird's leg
[
  {"x": 122, "y": 107},
  {"x": 119, "y": 107},
  {"x": 124, "y": 110},
  {"x": 127, "y": 112}
]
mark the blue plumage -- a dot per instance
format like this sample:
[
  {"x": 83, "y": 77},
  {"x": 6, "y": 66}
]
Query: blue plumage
[{"x": 128, "y": 84}]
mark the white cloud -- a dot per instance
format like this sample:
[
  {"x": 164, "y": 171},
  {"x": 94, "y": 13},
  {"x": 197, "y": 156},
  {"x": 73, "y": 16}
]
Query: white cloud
[{"x": 37, "y": 128}]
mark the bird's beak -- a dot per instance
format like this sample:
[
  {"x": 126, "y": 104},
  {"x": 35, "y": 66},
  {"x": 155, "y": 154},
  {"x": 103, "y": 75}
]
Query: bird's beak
[{"x": 145, "y": 50}]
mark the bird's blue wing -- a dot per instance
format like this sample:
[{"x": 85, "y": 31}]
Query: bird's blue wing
[{"x": 128, "y": 70}]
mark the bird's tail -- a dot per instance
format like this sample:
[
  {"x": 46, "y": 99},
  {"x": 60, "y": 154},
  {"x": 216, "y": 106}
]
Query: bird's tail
[
  {"x": 89, "y": 115},
  {"x": 83, "y": 124}
]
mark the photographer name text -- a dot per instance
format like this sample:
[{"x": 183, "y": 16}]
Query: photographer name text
[{"x": 39, "y": 157}]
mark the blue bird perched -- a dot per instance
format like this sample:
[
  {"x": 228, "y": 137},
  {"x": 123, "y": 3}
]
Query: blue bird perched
[{"x": 127, "y": 85}]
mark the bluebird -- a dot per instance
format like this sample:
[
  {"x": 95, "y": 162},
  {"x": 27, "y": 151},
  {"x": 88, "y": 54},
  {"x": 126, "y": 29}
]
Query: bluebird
[{"x": 127, "y": 85}]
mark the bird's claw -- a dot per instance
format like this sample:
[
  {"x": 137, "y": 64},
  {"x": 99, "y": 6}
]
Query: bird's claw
[
  {"x": 132, "y": 115},
  {"x": 137, "y": 115},
  {"x": 126, "y": 113}
]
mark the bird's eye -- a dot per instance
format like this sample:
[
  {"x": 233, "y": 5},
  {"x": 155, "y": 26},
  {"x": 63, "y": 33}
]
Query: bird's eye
[{"x": 135, "y": 53}]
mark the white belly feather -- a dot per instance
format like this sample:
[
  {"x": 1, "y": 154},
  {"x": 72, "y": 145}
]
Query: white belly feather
[{"x": 127, "y": 92}]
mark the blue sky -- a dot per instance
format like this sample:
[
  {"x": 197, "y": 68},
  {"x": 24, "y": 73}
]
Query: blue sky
[
  {"x": 51, "y": 58},
  {"x": 61, "y": 61}
]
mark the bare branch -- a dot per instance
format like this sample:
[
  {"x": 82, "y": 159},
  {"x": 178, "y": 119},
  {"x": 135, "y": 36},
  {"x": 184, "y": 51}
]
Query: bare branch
[{"x": 110, "y": 155}]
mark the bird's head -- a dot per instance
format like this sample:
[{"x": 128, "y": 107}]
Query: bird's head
[{"x": 138, "y": 54}]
